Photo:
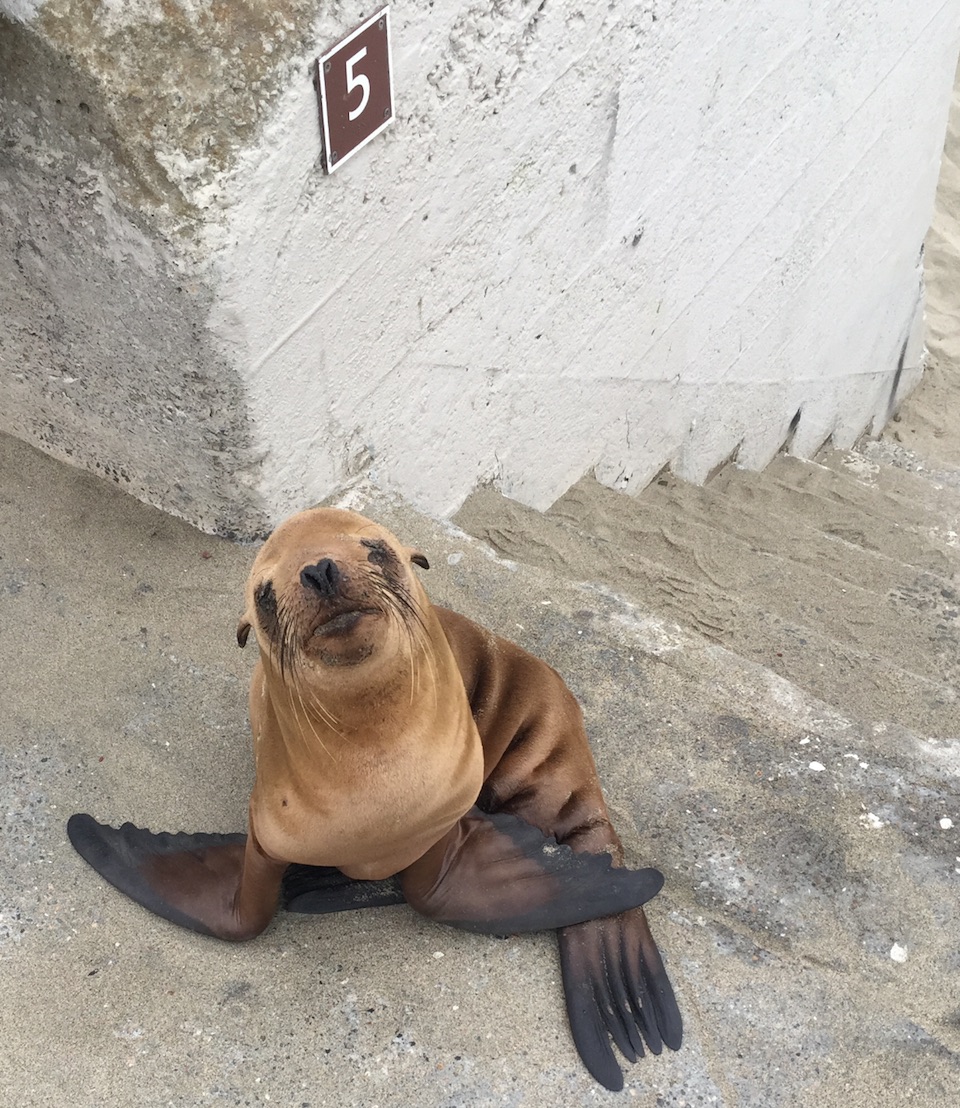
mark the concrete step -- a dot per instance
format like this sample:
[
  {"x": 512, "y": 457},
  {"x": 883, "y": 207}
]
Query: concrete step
[{"x": 838, "y": 578}]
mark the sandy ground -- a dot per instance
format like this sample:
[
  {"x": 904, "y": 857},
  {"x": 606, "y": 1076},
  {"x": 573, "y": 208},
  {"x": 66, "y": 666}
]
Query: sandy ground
[
  {"x": 802, "y": 844},
  {"x": 769, "y": 669}
]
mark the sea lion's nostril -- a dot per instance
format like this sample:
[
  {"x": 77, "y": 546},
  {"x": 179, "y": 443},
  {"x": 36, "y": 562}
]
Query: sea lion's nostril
[{"x": 322, "y": 577}]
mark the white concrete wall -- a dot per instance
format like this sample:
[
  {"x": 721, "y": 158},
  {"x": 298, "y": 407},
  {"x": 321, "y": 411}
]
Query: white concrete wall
[
  {"x": 604, "y": 237},
  {"x": 599, "y": 236}
]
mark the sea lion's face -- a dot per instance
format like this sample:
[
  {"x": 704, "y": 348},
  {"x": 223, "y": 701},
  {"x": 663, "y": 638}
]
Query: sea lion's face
[{"x": 331, "y": 588}]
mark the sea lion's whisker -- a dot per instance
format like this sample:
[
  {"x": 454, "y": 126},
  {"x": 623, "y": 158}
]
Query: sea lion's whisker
[
  {"x": 421, "y": 626},
  {"x": 290, "y": 662},
  {"x": 314, "y": 702},
  {"x": 286, "y": 626},
  {"x": 411, "y": 623},
  {"x": 325, "y": 714},
  {"x": 298, "y": 691},
  {"x": 313, "y": 729},
  {"x": 297, "y": 677}
]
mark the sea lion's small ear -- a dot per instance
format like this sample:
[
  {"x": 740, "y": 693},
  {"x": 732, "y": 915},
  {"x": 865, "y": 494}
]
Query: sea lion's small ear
[
  {"x": 243, "y": 631},
  {"x": 419, "y": 559}
]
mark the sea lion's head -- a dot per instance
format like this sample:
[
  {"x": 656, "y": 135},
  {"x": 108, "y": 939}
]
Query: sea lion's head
[{"x": 330, "y": 588}]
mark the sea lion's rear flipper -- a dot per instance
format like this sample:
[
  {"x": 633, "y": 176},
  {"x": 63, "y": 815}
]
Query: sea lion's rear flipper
[
  {"x": 322, "y": 889},
  {"x": 616, "y": 988},
  {"x": 218, "y": 885},
  {"x": 497, "y": 874}
]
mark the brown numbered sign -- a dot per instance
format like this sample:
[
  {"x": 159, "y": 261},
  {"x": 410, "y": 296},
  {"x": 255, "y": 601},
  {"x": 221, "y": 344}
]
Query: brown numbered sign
[{"x": 355, "y": 87}]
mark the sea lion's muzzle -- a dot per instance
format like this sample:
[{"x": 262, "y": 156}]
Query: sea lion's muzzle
[{"x": 339, "y": 611}]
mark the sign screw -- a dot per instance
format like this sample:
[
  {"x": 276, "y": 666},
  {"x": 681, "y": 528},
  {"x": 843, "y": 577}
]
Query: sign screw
[{"x": 326, "y": 67}]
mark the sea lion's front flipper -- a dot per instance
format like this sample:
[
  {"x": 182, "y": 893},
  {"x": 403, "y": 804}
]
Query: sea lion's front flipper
[
  {"x": 322, "y": 889},
  {"x": 498, "y": 874},
  {"x": 616, "y": 988},
  {"x": 220, "y": 885}
]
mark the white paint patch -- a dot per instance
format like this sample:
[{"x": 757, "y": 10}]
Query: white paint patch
[
  {"x": 651, "y": 635},
  {"x": 941, "y": 752},
  {"x": 122, "y": 240},
  {"x": 866, "y": 472},
  {"x": 587, "y": 246},
  {"x": 868, "y": 819},
  {"x": 946, "y": 823},
  {"x": 817, "y": 767},
  {"x": 21, "y": 11},
  {"x": 356, "y": 498},
  {"x": 898, "y": 953},
  {"x": 129, "y": 1033},
  {"x": 949, "y": 538}
]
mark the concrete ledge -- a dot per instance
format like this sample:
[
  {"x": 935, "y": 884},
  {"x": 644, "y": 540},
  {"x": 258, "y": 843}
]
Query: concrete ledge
[{"x": 592, "y": 241}]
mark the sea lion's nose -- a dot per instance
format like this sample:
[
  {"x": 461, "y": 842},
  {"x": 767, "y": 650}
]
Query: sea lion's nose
[{"x": 322, "y": 577}]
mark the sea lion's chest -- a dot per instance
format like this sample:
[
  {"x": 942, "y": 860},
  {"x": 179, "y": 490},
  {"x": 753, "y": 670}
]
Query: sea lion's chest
[{"x": 369, "y": 804}]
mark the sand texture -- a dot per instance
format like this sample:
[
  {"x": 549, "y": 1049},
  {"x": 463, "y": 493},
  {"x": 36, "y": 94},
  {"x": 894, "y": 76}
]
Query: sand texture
[{"x": 773, "y": 713}]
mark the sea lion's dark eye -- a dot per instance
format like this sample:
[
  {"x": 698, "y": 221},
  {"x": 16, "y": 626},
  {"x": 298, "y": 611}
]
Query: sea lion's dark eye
[
  {"x": 265, "y": 598},
  {"x": 266, "y": 601},
  {"x": 379, "y": 552}
]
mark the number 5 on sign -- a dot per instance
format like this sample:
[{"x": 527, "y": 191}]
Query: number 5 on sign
[
  {"x": 355, "y": 89},
  {"x": 354, "y": 80}
]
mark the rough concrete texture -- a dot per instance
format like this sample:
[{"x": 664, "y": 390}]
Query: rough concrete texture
[
  {"x": 180, "y": 88},
  {"x": 650, "y": 234},
  {"x": 806, "y": 816},
  {"x": 655, "y": 233},
  {"x": 105, "y": 357}
]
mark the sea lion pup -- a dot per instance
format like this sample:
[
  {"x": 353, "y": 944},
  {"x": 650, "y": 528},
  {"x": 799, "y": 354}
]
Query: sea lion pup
[{"x": 402, "y": 752}]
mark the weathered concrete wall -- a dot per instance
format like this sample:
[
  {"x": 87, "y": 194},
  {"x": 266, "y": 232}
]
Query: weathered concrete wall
[
  {"x": 593, "y": 240},
  {"x": 105, "y": 355}
]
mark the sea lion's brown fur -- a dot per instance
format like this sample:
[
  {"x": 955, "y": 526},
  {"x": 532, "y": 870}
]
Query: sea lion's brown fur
[
  {"x": 393, "y": 737},
  {"x": 347, "y": 723}
]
